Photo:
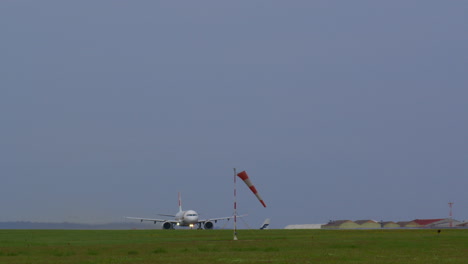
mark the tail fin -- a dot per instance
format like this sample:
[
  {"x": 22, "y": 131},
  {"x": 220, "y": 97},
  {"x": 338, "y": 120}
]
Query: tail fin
[
  {"x": 180, "y": 203},
  {"x": 265, "y": 224}
]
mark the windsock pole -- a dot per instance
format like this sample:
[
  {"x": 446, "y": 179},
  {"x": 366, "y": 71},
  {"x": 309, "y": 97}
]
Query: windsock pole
[{"x": 235, "y": 206}]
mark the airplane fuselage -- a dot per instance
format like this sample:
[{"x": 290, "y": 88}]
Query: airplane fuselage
[{"x": 187, "y": 218}]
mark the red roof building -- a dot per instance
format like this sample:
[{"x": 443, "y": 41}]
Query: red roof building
[{"x": 426, "y": 222}]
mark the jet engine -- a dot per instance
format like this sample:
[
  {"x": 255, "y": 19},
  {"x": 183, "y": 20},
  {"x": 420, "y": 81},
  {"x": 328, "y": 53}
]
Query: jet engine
[
  {"x": 208, "y": 225},
  {"x": 167, "y": 225}
]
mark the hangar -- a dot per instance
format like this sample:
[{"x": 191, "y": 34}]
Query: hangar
[
  {"x": 408, "y": 224},
  {"x": 436, "y": 223},
  {"x": 307, "y": 226},
  {"x": 389, "y": 224},
  {"x": 341, "y": 224},
  {"x": 367, "y": 224},
  {"x": 371, "y": 224}
]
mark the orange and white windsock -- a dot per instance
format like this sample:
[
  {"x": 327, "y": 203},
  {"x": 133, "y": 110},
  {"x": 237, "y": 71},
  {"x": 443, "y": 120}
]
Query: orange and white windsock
[{"x": 243, "y": 175}]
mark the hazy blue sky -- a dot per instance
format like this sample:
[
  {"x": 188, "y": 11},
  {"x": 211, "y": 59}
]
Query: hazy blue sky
[{"x": 336, "y": 109}]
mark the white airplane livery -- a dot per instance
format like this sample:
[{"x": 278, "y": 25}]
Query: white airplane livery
[{"x": 184, "y": 218}]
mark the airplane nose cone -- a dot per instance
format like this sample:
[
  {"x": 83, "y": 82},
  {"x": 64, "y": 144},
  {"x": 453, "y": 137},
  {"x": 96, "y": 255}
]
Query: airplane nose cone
[{"x": 191, "y": 216}]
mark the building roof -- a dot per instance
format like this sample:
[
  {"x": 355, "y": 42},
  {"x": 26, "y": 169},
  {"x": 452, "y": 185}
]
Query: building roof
[
  {"x": 425, "y": 222},
  {"x": 306, "y": 226},
  {"x": 338, "y": 222},
  {"x": 360, "y": 222},
  {"x": 406, "y": 223}
]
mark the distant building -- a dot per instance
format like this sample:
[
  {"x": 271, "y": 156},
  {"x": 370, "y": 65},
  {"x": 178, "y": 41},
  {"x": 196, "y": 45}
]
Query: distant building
[
  {"x": 389, "y": 224},
  {"x": 371, "y": 224},
  {"x": 307, "y": 226},
  {"x": 426, "y": 222},
  {"x": 408, "y": 224},
  {"x": 367, "y": 224},
  {"x": 435, "y": 223},
  {"x": 341, "y": 224}
]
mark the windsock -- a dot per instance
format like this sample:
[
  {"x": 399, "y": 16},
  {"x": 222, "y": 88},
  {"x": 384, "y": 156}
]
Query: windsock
[{"x": 243, "y": 175}]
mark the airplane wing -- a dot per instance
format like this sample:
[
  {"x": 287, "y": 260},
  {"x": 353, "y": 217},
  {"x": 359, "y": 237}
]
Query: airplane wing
[
  {"x": 167, "y": 215},
  {"x": 219, "y": 218},
  {"x": 152, "y": 220}
]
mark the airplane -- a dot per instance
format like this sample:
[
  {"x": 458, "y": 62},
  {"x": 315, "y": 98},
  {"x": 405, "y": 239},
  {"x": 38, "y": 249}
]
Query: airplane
[{"x": 184, "y": 218}]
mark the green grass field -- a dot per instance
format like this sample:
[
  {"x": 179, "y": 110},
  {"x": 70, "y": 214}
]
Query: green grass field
[{"x": 218, "y": 246}]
